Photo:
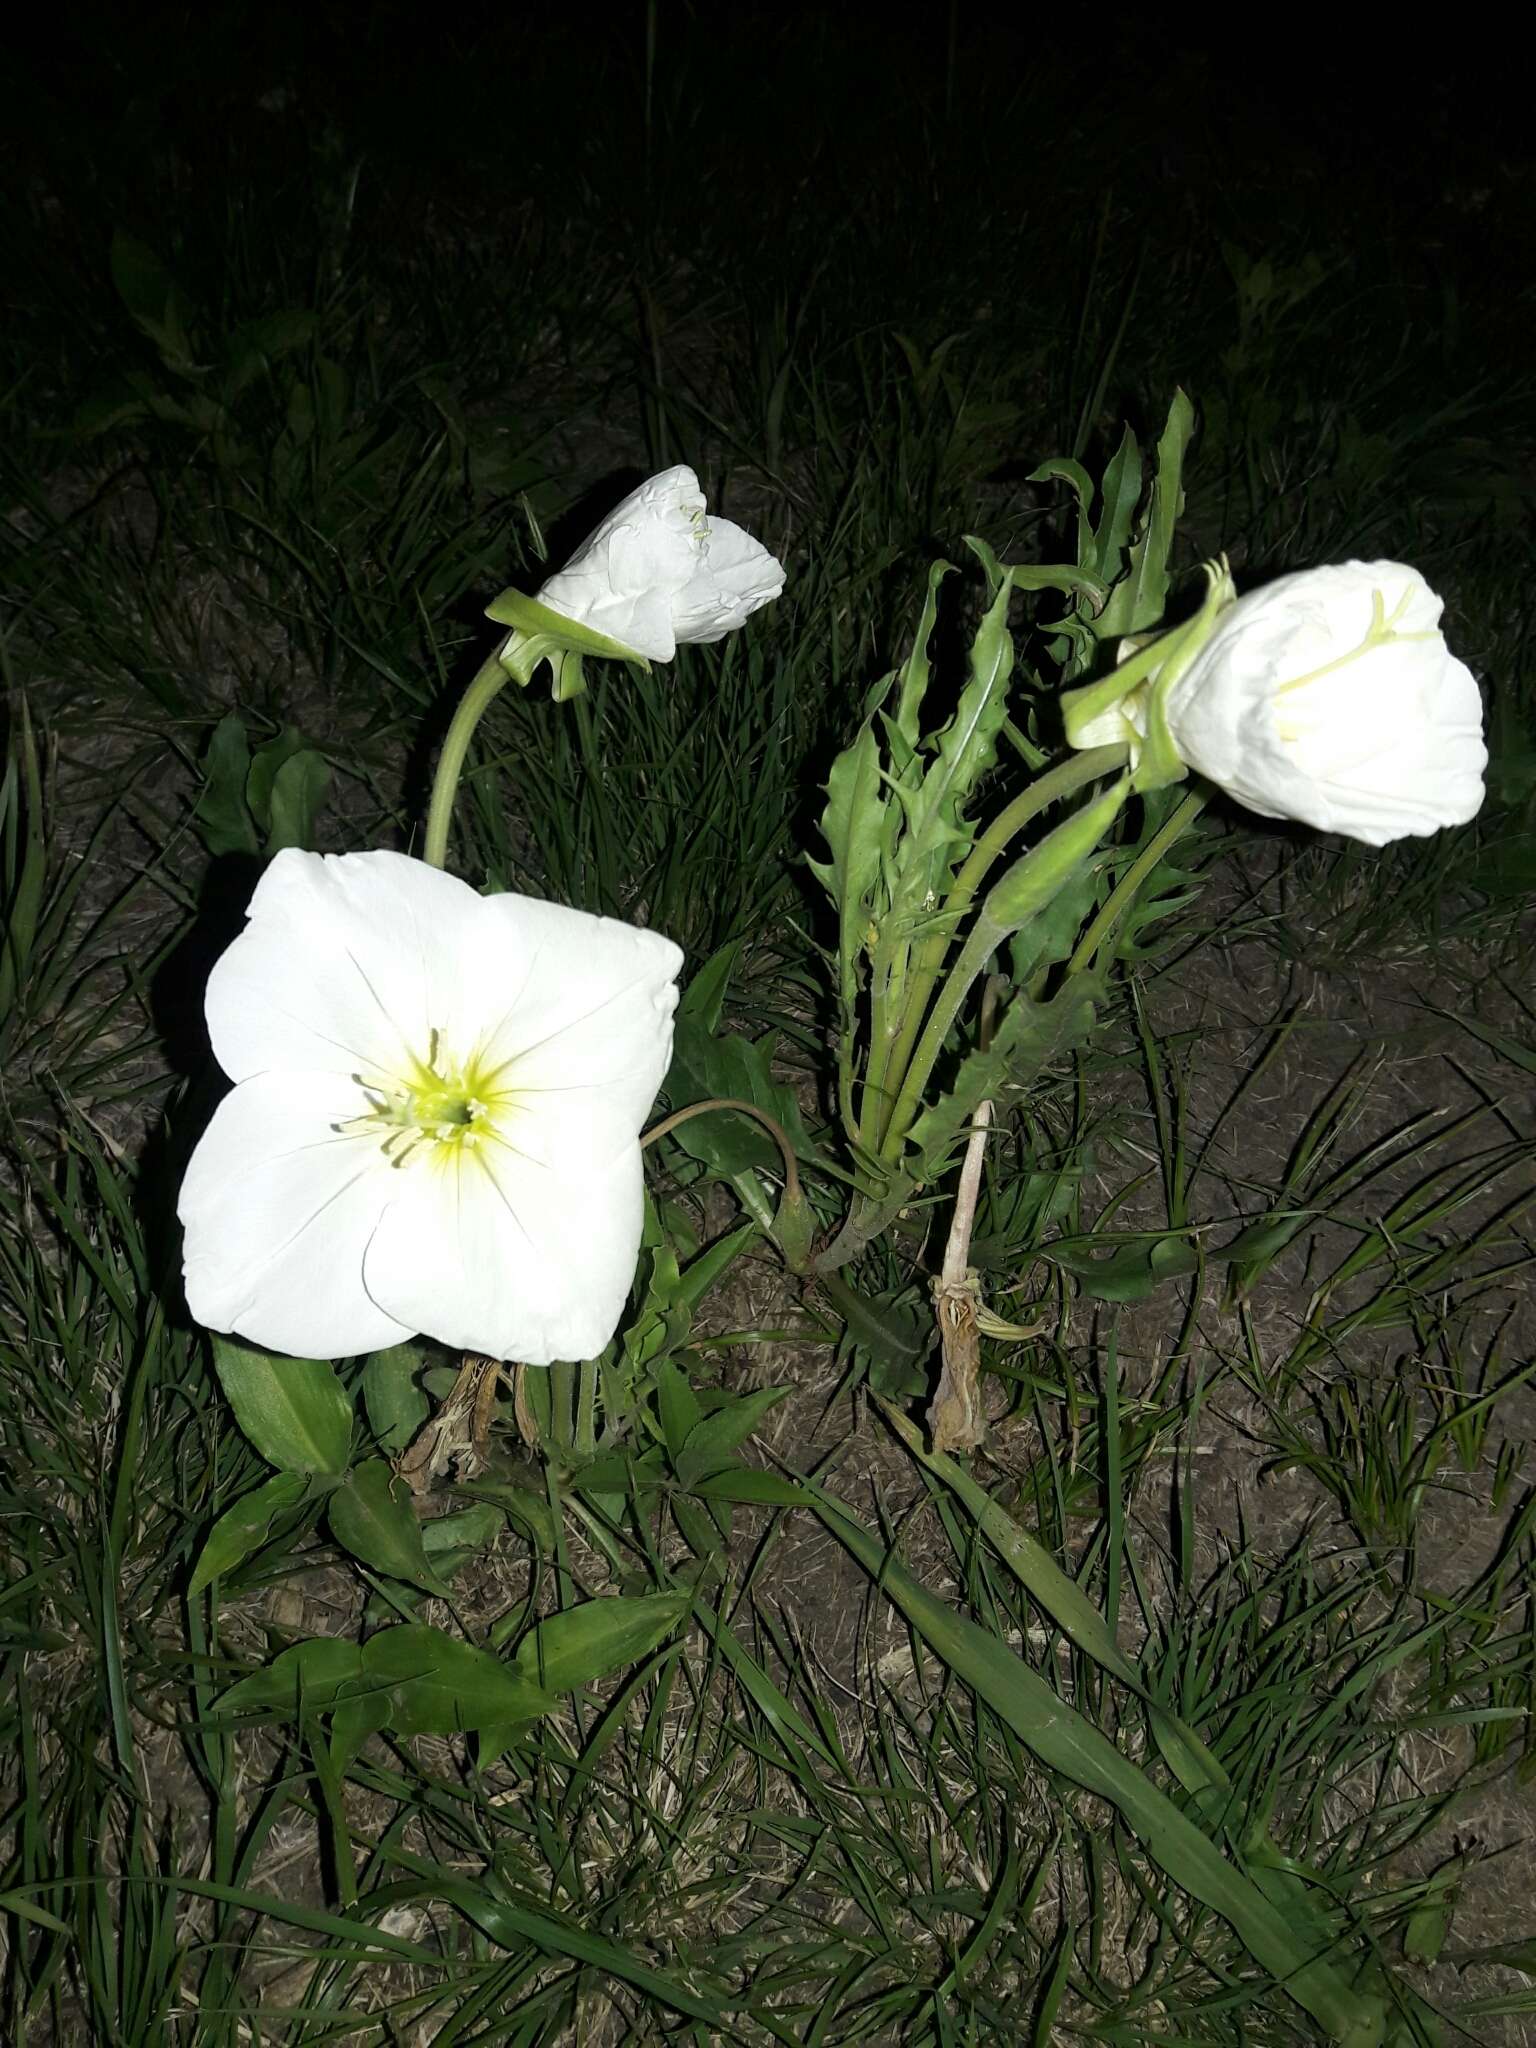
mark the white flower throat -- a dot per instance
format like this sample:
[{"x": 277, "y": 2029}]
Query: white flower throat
[{"x": 438, "y": 1108}]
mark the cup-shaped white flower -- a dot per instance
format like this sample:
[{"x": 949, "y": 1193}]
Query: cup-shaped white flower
[
  {"x": 656, "y": 573},
  {"x": 434, "y": 1128},
  {"x": 1328, "y": 696}
]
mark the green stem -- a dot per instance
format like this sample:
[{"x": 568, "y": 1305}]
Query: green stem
[
  {"x": 1124, "y": 892},
  {"x": 770, "y": 1124},
  {"x": 489, "y": 679},
  {"x": 986, "y": 936},
  {"x": 592, "y": 769},
  {"x": 586, "y": 1410},
  {"x": 562, "y": 1392},
  {"x": 1062, "y": 781}
]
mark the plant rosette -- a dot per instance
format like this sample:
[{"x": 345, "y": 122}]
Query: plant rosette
[
  {"x": 655, "y": 574},
  {"x": 1329, "y": 697},
  {"x": 435, "y": 1122}
]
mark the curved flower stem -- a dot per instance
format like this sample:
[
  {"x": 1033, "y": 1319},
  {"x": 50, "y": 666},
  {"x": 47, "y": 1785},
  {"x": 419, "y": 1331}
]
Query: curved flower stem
[
  {"x": 592, "y": 769},
  {"x": 770, "y": 1124},
  {"x": 489, "y": 679},
  {"x": 882, "y": 1087},
  {"x": 1124, "y": 893}
]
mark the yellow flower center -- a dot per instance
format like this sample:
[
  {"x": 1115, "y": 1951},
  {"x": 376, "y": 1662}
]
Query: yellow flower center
[{"x": 439, "y": 1103}]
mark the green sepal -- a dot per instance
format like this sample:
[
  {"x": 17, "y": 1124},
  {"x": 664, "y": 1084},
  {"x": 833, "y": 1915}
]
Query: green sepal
[
  {"x": 539, "y": 634},
  {"x": 1152, "y": 668}
]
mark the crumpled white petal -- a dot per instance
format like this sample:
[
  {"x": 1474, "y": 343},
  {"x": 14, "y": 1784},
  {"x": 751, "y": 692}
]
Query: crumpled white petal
[
  {"x": 736, "y": 577},
  {"x": 437, "y": 1118},
  {"x": 1301, "y": 706},
  {"x": 658, "y": 571}
]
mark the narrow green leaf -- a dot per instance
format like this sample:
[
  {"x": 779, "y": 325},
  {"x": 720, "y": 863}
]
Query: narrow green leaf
[
  {"x": 679, "y": 1406},
  {"x": 1131, "y": 1272},
  {"x": 915, "y": 670},
  {"x": 223, "y": 815},
  {"x": 441, "y": 1686},
  {"x": 1064, "y": 1741},
  {"x": 704, "y": 997},
  {"x": 311, "y": 1677},
  {"x": 582, "y": 1644},
  {"x": 853, "y": 826},
  {"x": 1028, "y": 1038},
  {"x": 728, "y": 1141}
]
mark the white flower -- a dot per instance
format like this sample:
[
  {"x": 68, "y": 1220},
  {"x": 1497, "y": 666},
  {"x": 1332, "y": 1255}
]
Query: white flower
[
  {"x": 659, "y": 571},
  {"x": 1330, "y": 696},
  {"x": 435, "y": 1120}
]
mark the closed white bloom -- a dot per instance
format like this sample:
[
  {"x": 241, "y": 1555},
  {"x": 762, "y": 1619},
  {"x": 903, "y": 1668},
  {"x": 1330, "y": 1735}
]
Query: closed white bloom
[
  {"x": 1331, "y": 697},
  {"x": 659, "y": 572},
  {"x": 435, "y": 1123}
]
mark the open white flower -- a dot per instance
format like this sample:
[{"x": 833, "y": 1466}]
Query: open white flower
[
  {"x": 1330, "y": 696},
  {"x": 658, "y": 571},
  {"x": 436, "y": 1118}
]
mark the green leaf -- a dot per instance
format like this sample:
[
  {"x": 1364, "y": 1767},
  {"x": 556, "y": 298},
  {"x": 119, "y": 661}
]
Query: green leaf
[
  {"x": 265, "y": 763},
  {"x": 257, "y": 344},
  {"x": 704, "y": 996},
  {"x": 896, "y": 1335},
  {"x": 746, "y": 1483},
  {"x": 441, "y": 1686},
  {"x": 294, "y": 1410},
  {"x": 449, "y": 1539},
  {"x": 224, "y": 820},
  {"x": 1028, "y": 1037},
  {"x": 585, "y": 1643},
  {"x": 1140, "y": 599},
  {"x": 372, "y": 1515},
  {"x": 1131, "y": 1272},
  {"x": 853, "y": 824},
  {"x": 710, "y": 1442},
  {"x": 396, "y": 1405},
  {"x": 245, "y": 1527},
  {"x": 154, "y": 303},
  {"x": 1119, "y": 496},
  {"x": 678, "y": 1405},
  {"x": 1064, "y": 1741},
  {"x": 413, "y": 1679},
  {"x": 915, "y": 670},
  {"x": 309, "y": 1678},
  {"x": 726, "y": 1140},
  {"x": 964, "y": 749},
  {"x": 298, "y": 792}
]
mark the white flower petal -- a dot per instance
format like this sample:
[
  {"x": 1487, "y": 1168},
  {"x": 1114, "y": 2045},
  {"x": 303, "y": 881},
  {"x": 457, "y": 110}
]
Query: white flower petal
[
  {"x": 347, "y": 961},
  {"x": 736, "y": 577},
  {"x": 576, "y": 1022},
  {"x": 498, "y": 1254},
  {"x": 623, "y": 578},
  {"x": 657, "y": 572},
  {"x": 278, "y": 1208}
]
